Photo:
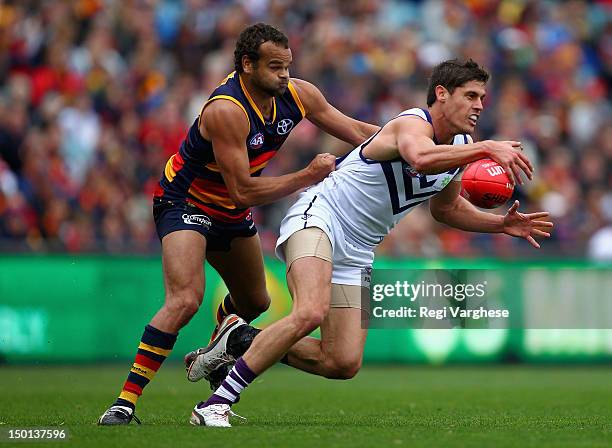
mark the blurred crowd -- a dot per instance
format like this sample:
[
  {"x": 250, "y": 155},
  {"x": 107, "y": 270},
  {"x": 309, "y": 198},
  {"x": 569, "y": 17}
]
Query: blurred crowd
[{"x": 95, "y": 95}]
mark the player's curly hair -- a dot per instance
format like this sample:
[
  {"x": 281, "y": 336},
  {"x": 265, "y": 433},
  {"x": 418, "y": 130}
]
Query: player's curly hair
[
  {"x": 452, "y": 74},
  {"x": 250, "y": 40}
]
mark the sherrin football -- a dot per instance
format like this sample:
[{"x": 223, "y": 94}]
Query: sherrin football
[{"x": 485, "y": 184}]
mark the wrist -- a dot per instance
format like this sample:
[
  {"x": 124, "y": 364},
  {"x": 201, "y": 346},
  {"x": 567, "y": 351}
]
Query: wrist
[
  {"x": 483, "y": 150},
  {"x": 501, "y": 224},
  {"x": 306, "y": 177}
]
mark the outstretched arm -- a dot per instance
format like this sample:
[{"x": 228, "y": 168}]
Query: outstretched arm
[
  {"x": 225, "y": 124},
  {"x": 450, "y": 208},
  {"x": 416, "y": 146},
  {"x": 328, "y": 118}
]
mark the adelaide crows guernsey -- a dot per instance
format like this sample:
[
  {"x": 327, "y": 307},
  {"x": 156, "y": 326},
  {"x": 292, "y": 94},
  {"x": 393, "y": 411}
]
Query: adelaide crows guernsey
[{"x": 193, "y": 175}]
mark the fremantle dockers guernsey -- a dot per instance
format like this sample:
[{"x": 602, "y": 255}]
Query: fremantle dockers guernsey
[
  {"x": 368, "y": 197},
  {"x": 192, "y": 174}
]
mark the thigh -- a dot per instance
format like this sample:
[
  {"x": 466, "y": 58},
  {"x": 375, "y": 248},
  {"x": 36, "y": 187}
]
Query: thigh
[
  {"x": 308, "y": 254},
  {"x": 183, "y": 255},
  {"x": 241, "y": 268},
  {"x": 309, "y": 281},
  {"x": 308, "y": 242}
]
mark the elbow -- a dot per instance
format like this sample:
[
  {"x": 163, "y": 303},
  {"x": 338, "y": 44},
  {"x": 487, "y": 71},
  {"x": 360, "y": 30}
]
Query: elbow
[
  {"x": 439, "y": 214},
  {"x": 418, "y": 160},
  {"x": 366, "y": 134},
  {"x": 420, "y": 164},
  {"x": 240, "y": 197}
]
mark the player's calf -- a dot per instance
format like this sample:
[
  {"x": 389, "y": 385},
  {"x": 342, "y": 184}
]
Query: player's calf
[{"x": 249, "y": 308}]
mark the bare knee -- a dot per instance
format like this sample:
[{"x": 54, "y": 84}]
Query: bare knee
[
  {"x": 342, "y": 367},
  {"x": 308, "y": 320},
  {"x": 184, "y": 303}
]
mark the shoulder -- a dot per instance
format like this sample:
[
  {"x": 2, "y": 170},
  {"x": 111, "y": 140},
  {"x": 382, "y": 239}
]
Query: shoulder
[
  {"x": 413, "y": 121},
  {"x": 224, "y": 106},
  {"x": 307, "y": 94},
  {"x": 415, "y": 112},
  {"x": 304, "y": 87},
  {"x": 225, "y": 114}
]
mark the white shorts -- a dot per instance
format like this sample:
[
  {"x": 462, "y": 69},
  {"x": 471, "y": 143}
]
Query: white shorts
[{"x": 349, "y": 259}]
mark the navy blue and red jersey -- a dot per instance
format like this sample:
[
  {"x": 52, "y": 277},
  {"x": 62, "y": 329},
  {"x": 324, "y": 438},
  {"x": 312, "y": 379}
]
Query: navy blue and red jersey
[{"x": 192, "y": 174}]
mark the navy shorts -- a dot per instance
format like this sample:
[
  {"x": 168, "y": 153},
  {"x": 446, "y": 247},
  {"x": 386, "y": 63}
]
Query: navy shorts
[{"x": 171, "y": 216}]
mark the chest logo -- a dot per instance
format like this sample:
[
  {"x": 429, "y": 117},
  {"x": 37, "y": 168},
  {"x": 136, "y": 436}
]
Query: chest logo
[
  {"x": 409, "y": 170},
  {"x": 284, "y": 126},
  {"x": 257, "y": 141}
]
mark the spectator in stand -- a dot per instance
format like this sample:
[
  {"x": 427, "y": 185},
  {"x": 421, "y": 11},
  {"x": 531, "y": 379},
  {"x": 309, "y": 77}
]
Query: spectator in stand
[{"x": 95, "y": 94}]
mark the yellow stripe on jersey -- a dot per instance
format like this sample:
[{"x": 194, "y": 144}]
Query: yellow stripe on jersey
[
  {"x": 210, "y": 198},
  {"x": 143, "y": 371},
  {"x": 258, "y": 167},
  {"x": 224, "y": 97},
  {"x": 152, "y": 349},
  {"x": 129, "y": 396},
  {"x": 296, "y": 98},
  {"x": 231, "y": 75},
  {"x": 254, "y": 106},
  {"x": 169, "y": 171},
  {"x": 213, "y": 167}
]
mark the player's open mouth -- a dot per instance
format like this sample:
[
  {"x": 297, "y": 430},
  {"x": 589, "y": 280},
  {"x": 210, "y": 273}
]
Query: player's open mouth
[{"x": 473, "y": 119}]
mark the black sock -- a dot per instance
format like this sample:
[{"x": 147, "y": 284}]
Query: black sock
[
  {"x": 226, "y": 307},
  {"x": 241, "y": 339}
]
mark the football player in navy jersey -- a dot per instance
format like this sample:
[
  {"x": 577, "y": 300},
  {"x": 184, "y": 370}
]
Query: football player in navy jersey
[{"x": 202, "y": 204}]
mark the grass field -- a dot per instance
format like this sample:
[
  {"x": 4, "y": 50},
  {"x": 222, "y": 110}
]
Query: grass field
[{"x": 383, "y": 406}]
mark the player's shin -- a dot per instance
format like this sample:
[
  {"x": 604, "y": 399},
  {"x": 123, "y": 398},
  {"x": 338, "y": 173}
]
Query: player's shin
[
  {"x": 229, "y": 391},
  {"x": 155, "y": 346}
]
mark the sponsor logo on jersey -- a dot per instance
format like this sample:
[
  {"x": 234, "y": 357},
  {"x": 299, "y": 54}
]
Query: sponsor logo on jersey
[
  {"x": 248, "y": 218},
  {"x": 445, "y": 181},
  {"x": 198, "y": 220},
  {"x": 257, "y": 141},
  {"x": 284, "y": 126}
]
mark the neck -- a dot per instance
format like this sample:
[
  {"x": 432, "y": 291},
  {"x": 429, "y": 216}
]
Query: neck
[
  {"x": 259, "y": 97},
  {"x": 443, "y": 132}
]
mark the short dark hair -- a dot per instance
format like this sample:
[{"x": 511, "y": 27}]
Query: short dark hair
[
  {"x": 452, "y": 74},
  {"x": 250, "y": 40}
]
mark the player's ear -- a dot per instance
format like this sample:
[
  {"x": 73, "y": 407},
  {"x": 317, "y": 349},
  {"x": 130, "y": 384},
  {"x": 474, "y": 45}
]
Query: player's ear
[
  {"x": 441, "y": 93},
  {"x": 247, "y": 64}
]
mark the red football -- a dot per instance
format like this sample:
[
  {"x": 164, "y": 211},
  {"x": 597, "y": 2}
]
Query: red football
[{"x": 486, "y": 184}]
